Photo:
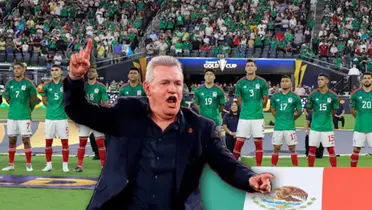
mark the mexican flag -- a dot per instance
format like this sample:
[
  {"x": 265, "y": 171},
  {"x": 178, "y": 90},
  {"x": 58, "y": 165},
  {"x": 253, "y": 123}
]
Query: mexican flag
[{"x": 314, "y": 189}]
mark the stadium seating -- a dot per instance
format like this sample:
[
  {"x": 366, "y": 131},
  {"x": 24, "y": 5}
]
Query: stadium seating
[
  {"x": 44, "y": 32},
  {"x": 211, "y": 28},
  {"x": 347, "y": 25}
]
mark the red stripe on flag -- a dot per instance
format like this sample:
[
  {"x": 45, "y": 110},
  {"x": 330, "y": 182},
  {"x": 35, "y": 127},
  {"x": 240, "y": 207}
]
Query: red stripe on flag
[{"x": 347, "y": 188}]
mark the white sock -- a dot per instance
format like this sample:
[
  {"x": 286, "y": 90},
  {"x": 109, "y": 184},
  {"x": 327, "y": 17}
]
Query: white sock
[
  {"x": 49, "y": 164},
  {"x": 65, "y": 164}
]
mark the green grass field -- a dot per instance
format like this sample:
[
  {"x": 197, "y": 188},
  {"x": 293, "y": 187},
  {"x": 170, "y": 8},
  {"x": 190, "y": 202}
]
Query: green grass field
[{"x": 67, "y": 199}]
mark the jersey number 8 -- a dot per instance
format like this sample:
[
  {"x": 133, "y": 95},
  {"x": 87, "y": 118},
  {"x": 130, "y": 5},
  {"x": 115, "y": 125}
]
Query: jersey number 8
[{"x": 91, "y": 96}]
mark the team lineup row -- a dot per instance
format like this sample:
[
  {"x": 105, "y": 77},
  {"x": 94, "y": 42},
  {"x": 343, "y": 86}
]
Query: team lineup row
[{"x": 209, "y": 101}]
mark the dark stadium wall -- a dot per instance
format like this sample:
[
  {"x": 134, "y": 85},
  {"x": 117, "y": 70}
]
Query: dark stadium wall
[
  {"x": 195, "y": 66},
  {"x": 306, "y": 73}
]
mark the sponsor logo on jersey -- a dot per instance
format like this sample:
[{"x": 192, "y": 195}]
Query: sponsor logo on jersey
[
  {"x": 286, "y": 197},
  {"x": 221, "y": 64},
  {"x": 96, "y": 90}
]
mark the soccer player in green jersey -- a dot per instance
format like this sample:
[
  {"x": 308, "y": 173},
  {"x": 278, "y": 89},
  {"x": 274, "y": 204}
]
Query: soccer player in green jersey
[
  {"x": 96, "y": 94},
  {"x": 20, "y": 93},
  {"x": 361, "y": 109},
  {"x": 322, "y": 105},
  {"x": 133, "y": 88},
  {"x": 252, "y": 94},
  {"x": 209, "y": 99},
  {"x": 286, "y": 107},
  {"x": 56, "y": 122}
]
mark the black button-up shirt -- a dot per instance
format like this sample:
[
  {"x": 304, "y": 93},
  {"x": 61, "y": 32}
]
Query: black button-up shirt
[{"x": 154, "y": 186}]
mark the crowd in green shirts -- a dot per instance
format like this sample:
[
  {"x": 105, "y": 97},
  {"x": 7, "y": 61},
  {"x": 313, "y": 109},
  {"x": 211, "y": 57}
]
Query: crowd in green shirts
[
  {"x": 184, "y": 26},
  {"x": 348, "y": 26},
  {"x": 65, "y": 26}
]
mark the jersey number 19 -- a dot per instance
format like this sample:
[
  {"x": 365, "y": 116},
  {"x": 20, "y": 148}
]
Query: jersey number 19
[{"x": 208, "y": 101}]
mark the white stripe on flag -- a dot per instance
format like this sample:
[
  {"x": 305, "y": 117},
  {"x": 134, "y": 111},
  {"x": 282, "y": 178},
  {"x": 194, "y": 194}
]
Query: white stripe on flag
[{"x": 293, "y": 188}]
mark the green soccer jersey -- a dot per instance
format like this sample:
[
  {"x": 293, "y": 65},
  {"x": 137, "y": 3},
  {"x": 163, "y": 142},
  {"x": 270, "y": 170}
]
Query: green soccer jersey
[
  {"x": 362, "y": 102},
  {"x": 128, "y": 90},
  {"x": 96, "y": 93},
  {"x": 53, "y": 92},
  {"x": 285, "y": 107},
  {"x": 22, "y": 99},
  {"x": 251, "y": 93},
  {"x": 322, "y": 106},
  {"x": 209, "y": 100}
]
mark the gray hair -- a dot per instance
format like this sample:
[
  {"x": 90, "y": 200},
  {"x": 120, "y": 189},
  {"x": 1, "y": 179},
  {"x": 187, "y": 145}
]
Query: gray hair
[{"x": 163, "y": 60}]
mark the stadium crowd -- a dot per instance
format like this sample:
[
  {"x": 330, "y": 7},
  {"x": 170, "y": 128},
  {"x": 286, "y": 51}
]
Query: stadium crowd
[
  {"x": 233, "y": 28},
  {"x": 47, "y": 32},
  {"x": 345, "y": 35}
]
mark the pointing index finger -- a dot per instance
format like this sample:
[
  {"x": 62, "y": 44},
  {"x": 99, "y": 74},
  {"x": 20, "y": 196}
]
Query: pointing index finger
[{"x": 88, "y": 49}]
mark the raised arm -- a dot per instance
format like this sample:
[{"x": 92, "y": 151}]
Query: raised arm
[{"x": 101, "y": 118}]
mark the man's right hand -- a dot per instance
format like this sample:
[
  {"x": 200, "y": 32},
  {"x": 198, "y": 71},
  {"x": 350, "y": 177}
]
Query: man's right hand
[{"x": 79, "y": 63}]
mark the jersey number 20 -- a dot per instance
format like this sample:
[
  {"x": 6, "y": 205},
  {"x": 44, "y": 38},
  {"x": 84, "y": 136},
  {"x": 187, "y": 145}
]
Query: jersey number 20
[{"x": 366, "y": 105}]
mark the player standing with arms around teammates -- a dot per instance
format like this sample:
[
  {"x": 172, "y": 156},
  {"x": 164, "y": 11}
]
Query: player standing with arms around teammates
[
  {"x": 96, "y": 94},
  {"x": 361, "y": 109},
  {"x": 56, "y": 120},
  {"x": 286, "y": 108},
  {"x": 251, "y": 92},
  {"x": 133, "y": 88},
  {"x": 209, "y": 99},
  {"x": 322, "y": 105},
  {"x": 20, "y": 93}
]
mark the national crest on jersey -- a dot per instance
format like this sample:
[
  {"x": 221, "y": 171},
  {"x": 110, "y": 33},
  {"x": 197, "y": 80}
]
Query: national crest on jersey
[
  {"x": 23, "y": 87},
  {"x": 329, "y": 100},
  {"x": 214, "y": 94},
  {"x": 139, "y": 92},
  {"x": 290, "y": 100},
  {"x": 96, "y": 90}
]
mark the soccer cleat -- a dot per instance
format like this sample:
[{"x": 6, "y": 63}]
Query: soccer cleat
[
  {"x": 29, "y": 168},
  {"x": 9, "y": 168},
  {"x": 65, "y": 167},
  {"x": 78, "y": 169},
  {"x": 47, "y": 168}
]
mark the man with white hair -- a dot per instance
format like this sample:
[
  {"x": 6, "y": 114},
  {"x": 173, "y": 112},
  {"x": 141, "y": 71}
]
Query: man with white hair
[{"x": 158, "y": 149}]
